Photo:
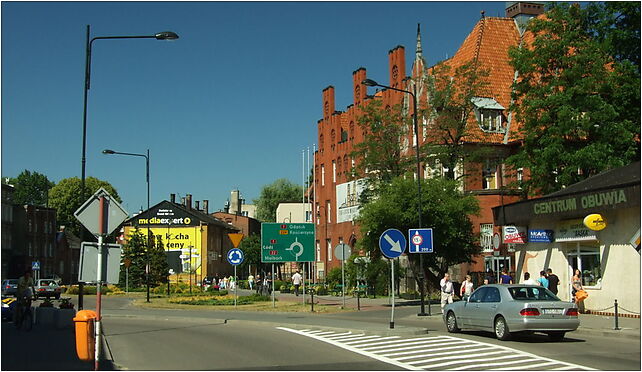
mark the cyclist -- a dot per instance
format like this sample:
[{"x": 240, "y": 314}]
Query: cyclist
[{"x": 24, "y": 292}]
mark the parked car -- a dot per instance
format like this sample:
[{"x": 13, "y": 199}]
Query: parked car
[
  {"x": 506, "y": 309},
  {"x": 8, "y": 305},
  {"x": 9, "y": 287},
  {"x": 47, "y": 288}
]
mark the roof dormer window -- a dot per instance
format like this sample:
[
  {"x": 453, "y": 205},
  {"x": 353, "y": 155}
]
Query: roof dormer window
[{"x": 489, "y": 114}]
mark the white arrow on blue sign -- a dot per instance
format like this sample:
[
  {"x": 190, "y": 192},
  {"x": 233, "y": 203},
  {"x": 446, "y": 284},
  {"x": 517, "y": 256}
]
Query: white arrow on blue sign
[
  {"x": 420, "y": 241},
  {"x": 235, "y": 256},
  {"x": 392, "y": 243}
]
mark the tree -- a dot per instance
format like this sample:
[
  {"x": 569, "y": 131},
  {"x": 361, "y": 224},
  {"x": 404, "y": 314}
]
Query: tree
[
  {"x": 280, "y": 191},
  {"x": 31, "y": 188},
  {"x": 616, "y": 24},
  {"x": 382, "y": 155},
  {"x": 136, "y": 251},
  {"x": 577, "y": 103},
  {"x": 66, "y": 198},
  {"x": 251, "y": 247},
  {"x": 450, "y": 109},
  {"x": 445, "y": 209}
]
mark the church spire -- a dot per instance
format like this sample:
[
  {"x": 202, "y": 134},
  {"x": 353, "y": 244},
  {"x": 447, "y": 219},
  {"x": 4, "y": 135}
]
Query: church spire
[
  {"x": 419, "y": 64},
  {"x": 419, "y": 51}
]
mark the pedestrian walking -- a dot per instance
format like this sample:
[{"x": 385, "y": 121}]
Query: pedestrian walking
[
  {"x": 296, "y": 280},
  {"x": 576, "y": 284},
  {"x": 542, "y": 279},
  {"x": 553, "y": 281},
  {"x": 446, "y": 291},
  {"x": 490, "y": 277},
  {"x": 505, "y": 278},
  {"x": 259, "y": 284},
  {"x": 466, "y": 288},
  {"x": 250, "y": 281},
  {"x": 528, "y": 280}
]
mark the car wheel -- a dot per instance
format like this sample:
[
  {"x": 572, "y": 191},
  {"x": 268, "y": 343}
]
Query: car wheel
[
  {"x": 556, "y": 336},
  {"x": 501, "y": 329},
  {"x": 451, "y": 322},
  {"x": 57, "y": 296}
]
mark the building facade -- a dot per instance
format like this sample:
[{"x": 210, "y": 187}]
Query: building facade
[
  {"x": 196, "y": 242},
  {"x": 557, "y": 238},
  {"x": 491, "y": 126}
]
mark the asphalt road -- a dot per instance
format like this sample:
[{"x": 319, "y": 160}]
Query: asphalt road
[{"x": 203, "y": 339}]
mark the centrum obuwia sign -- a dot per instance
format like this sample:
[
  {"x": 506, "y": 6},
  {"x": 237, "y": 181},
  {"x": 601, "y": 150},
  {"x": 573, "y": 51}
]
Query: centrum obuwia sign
[{"x": 599, "y": 199}]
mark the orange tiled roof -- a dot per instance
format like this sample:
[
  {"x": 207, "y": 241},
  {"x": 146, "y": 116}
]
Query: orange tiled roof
[{"x": 488, "y": 43}]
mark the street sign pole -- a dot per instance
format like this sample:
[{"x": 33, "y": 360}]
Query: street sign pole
[
  {"x": 235, "y": 286},
  {"x": 272, "y": 285},
  {"x": 103, "y": 216},
  {"x": 392, "y": 292},
  {"x": 343, "y": 275}
]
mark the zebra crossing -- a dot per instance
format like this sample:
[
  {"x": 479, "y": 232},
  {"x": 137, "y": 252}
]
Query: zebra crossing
[{"x": 436, "y": 352}]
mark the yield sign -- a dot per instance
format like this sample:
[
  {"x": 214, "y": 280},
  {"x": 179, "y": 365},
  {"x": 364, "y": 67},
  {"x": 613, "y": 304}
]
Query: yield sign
[
  {"x": 236, "y": 239},
  {"x": 89, "y": 213}
]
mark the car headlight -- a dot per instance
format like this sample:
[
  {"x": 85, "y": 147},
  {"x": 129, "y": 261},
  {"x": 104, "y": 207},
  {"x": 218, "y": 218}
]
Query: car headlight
[{"x": 5, "y": 305}]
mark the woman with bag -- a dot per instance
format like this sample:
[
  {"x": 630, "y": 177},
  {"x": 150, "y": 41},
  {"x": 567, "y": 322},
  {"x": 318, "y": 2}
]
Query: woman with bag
[{"x": 578, "y": 292}]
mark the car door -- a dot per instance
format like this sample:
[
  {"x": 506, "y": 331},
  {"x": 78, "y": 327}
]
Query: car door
[
  {"x": 471, "y": 308},
  {"x": 487, "y": 308}
]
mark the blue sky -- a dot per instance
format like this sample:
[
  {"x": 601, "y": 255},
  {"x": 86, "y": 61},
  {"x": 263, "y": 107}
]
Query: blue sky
[{"x": 231, "y": 104}]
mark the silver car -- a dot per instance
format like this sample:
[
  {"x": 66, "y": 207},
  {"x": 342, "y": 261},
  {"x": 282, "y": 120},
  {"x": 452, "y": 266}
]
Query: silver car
[{"x": 505, "y": 309}]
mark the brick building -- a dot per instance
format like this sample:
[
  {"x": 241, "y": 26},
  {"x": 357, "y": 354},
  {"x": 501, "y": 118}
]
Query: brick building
[{"x": 491, "y": 126}]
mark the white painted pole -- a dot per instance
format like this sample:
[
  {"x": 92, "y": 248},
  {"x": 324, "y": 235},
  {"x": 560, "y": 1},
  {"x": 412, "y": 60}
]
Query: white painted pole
[
  {"x": 235, "y": 286},
  {"x": 343, "y": 275},
  {"x": 392, "y": 292}
]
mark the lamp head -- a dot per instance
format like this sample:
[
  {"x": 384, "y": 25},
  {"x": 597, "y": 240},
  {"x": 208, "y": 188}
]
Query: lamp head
[
  {"x": 370, "y": 83},
  {"x": 108, "y": 151},
  {"x": 166, "y": 35}
]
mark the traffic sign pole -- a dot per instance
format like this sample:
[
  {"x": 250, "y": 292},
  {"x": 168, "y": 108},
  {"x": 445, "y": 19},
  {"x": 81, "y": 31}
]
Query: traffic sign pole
[
  {"x": 235, "y": 286},
  {"x": 392, "y": 292}
]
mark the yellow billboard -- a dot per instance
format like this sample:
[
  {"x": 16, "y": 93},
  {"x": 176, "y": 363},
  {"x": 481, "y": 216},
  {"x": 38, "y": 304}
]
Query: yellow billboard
[{"x": 187, "y": 240}]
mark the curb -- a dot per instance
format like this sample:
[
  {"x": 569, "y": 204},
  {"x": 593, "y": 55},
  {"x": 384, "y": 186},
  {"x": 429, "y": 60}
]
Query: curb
[{"x": 610, "y": 333}]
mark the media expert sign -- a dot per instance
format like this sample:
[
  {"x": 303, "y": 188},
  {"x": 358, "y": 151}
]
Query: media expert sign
[
  {"x": 348, "y": 200},
  {"x": 287, "y": 242},
  {"x": 166, "y": 216},
  {"x": 515, "y": 235}
]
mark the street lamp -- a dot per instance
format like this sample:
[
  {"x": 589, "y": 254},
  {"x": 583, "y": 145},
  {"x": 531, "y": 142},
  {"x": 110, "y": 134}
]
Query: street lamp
[
  {"x": 372, "y": 83},
  {"x": 165, "y": 35},
  {"x": 112, "y": 152}
]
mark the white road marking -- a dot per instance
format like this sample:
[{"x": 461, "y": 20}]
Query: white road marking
[{"x": 418, "y": 353}]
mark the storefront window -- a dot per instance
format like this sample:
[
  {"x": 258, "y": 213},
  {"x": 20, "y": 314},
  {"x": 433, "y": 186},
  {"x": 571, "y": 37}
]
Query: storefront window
[{"x": 586, "y": 258}]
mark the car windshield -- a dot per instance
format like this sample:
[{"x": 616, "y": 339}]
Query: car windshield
[{"x": 532, "y": 294}]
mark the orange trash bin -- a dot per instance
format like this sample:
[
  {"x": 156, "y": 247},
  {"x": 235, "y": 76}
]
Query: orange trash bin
[{"x": 85, "y": 334}]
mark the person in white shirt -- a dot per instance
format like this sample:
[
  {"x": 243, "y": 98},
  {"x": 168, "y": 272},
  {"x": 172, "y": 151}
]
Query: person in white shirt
[
  {"x": 528, "y": 280},
  {"x": 250, "y": 281},
  {"x": 466, "y": 288},
  {"x": 296, "y": 280},
  {"x": 446, "y": 291}
]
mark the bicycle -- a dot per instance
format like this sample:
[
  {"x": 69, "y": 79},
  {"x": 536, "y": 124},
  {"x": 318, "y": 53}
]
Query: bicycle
[{"x": 24, "y": 314}]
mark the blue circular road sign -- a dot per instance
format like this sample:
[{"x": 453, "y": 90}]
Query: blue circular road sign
[
  {"x": 235, "y": 256},
  {"x": 392, "y": 243}
]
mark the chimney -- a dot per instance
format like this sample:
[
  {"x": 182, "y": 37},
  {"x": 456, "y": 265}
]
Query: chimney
[
  {"x": 188, "y": 200},
  {"x": 205, "y": 206},
  {"x": 183, "y": 201},
  {"x": 197, "y": 205},
  {"x": 226, "y": 207},
  {"x": 172, "y": 198},
  {"x": 235, "y": 202}
]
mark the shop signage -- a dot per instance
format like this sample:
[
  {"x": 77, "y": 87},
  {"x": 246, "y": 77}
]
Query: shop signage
[
  {"x": 598, "y": 199},
  {"x": 515, "y": 234},
  {"x": 287, "y": 242},
  {"x": 595, "y": 222},
  {"x": 573, "y": 231},
  {"x": 166, "y": 215},
  {"x": 540, "y": 236}
]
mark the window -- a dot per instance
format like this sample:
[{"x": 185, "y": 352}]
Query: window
[
  {"x": 321, "y": 143},
  {"x": 586, "y": 258},
  {"x": 327, "y": 208},
  {"x": 334, "y": 171},
  {"x": 339, "y": 165},
  {"x": 489, "y": 175},
  {"x": 322, "y": 175},
  {"x": 318, "y": 256},
  {"x": 329, "y": 247},
  {"x": 492, "y": 295},
  {"x": 532, "y": 293},
  {"x": 491, "y": 121},
  {"x": 345, "y": 164},
  {"x": 344, "y": 136},
  {"x": 486, "y": 236},
  {"x": 351, "y": 134},
  {"x": 478, "y": 295},
  {"x": 318, "y": 211}
]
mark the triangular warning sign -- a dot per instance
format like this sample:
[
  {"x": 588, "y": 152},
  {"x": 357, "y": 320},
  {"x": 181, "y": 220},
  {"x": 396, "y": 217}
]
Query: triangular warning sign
[{"x": 236, "y": 239}]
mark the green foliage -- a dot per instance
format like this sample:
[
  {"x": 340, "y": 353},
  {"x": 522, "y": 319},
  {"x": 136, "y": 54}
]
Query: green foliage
[
  {"x": 88, "y": 290},
  {"x": 280, "y": 191},
  {"x": 450, "y": 108},
  {"x": 251, "y": 247},
  {"x": 136, "y": 250},
  {"x": 444, "y": 208},
  {"x": 243, "y": 300},
  {"x": 382, "y": 151},
  {"x": 66, "y": 197},
  {"x": 577, "y": 96},
  {"x": 31, "y": 188}
]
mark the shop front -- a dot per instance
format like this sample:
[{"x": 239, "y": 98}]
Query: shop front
[{"x": 607, "y": 256}]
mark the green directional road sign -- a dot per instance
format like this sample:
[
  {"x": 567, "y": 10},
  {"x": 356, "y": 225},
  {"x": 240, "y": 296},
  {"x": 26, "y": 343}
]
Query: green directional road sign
[{"x": 287, "y": 242}]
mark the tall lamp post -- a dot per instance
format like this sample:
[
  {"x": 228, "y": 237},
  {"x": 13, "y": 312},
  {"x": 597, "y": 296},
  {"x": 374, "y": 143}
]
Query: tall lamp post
[
  {"x": 165, "y": 35},
  {"x": 112, "y": 152},
  {"x": 372, "y": 83}
]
